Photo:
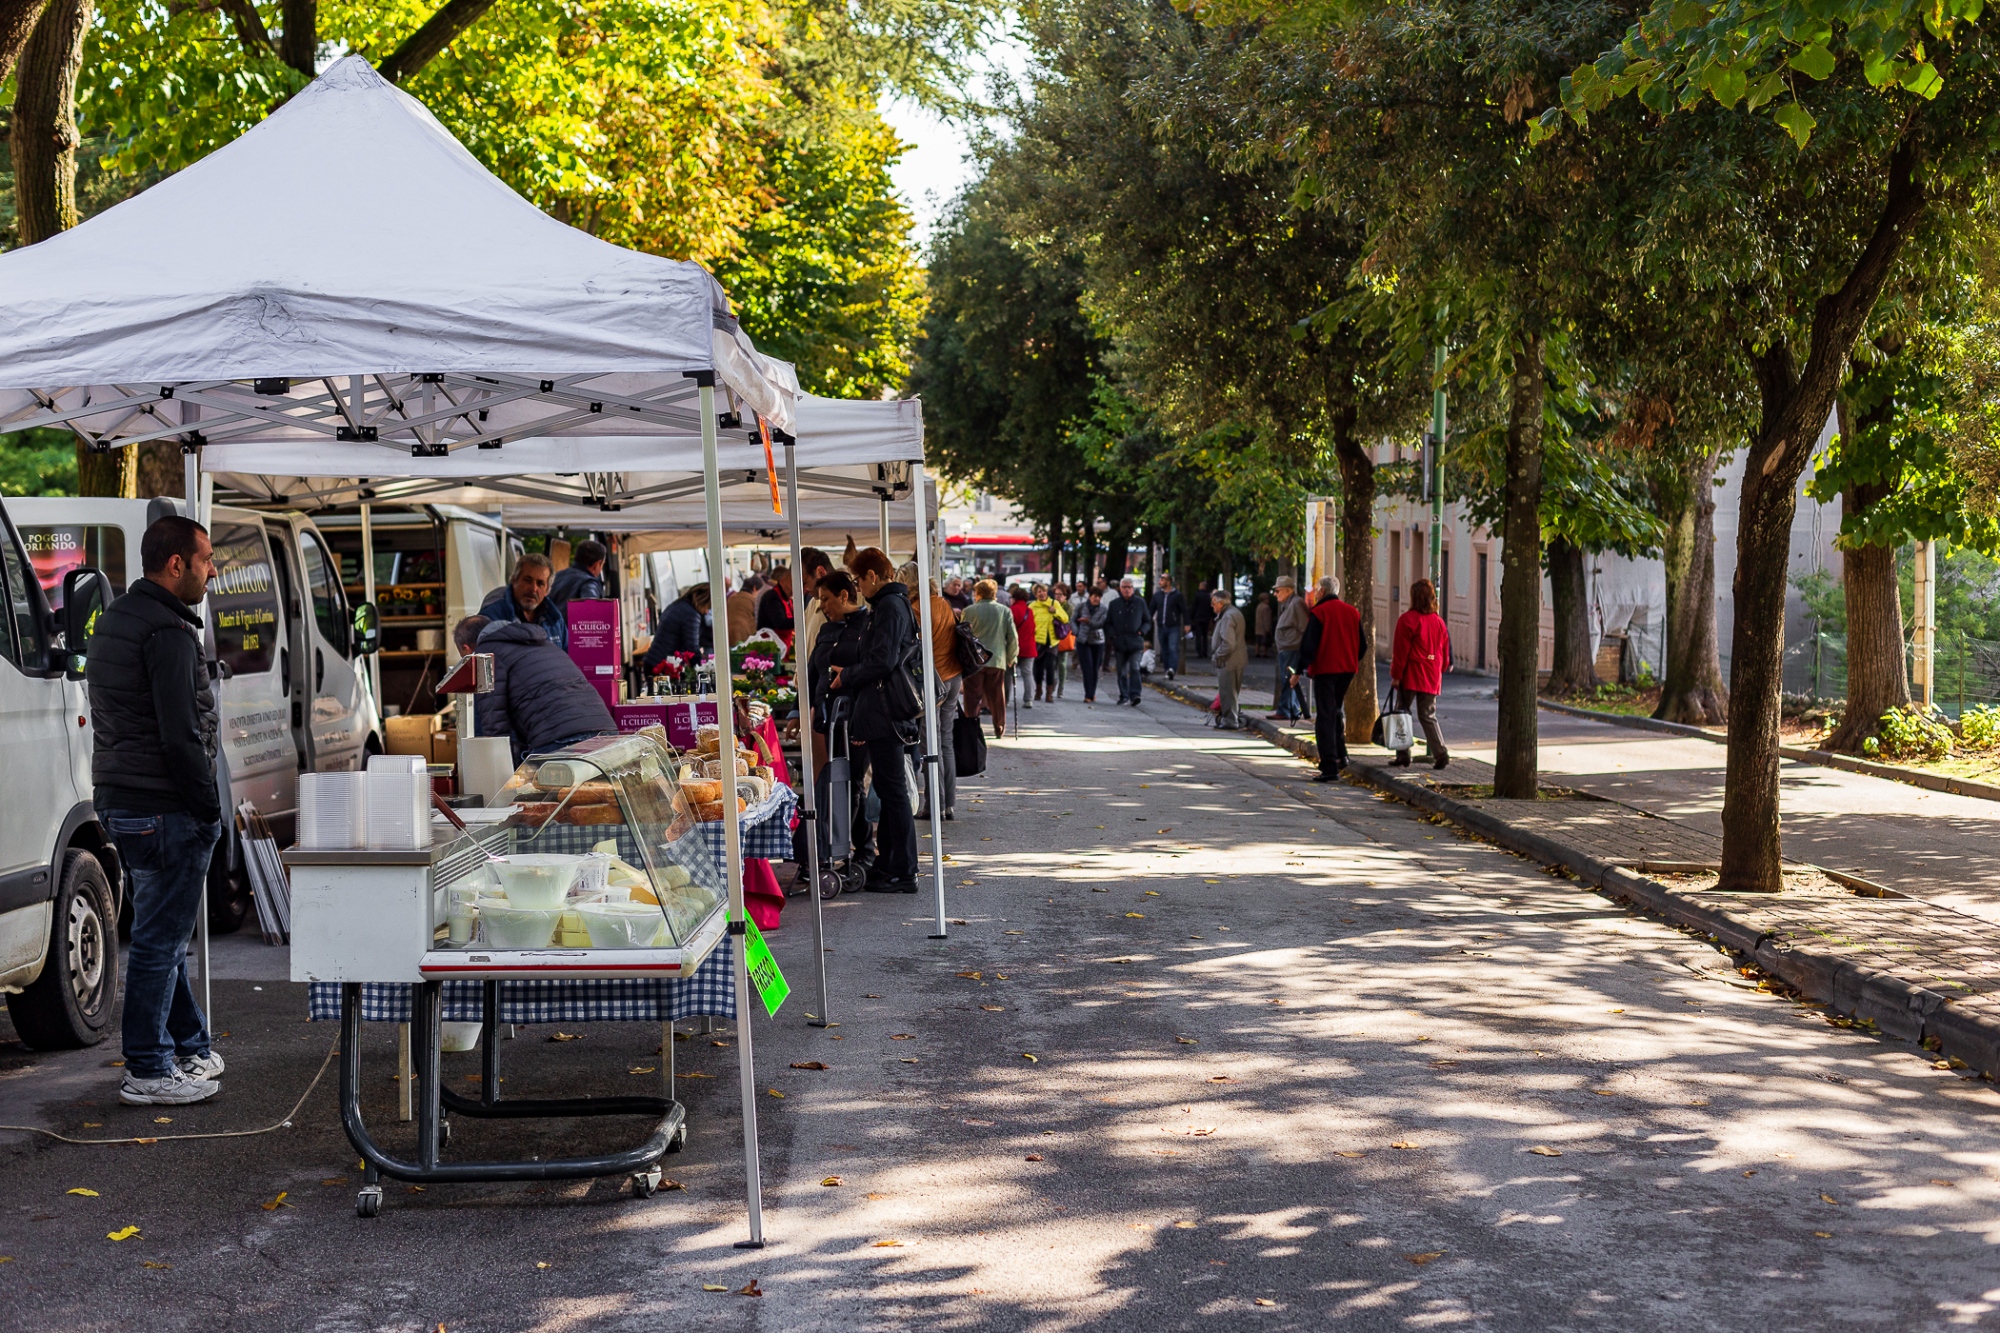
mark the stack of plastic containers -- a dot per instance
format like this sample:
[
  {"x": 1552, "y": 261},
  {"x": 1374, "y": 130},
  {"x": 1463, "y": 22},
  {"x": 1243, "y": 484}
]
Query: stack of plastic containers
[
  {"x": 331, "y": 812},
  {"x": 398, "y": 802}
]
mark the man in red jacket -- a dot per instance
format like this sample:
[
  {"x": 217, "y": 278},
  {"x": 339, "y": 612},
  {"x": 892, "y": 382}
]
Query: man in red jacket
[{"x": 1332, "y": 651}]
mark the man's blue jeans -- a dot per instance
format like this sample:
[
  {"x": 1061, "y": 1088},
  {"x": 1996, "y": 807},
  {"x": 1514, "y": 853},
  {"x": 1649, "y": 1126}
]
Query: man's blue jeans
[
  {"x": 1130, "y": 686},
  {"x": 1170, "y": 647},
  {"x": 167, "y": 857}
]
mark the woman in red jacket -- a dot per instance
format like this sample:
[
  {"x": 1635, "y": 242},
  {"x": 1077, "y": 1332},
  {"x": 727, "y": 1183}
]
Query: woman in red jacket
[
  {"x": 1417, "y": 663},
  {"x": 1024, "y": 631}
]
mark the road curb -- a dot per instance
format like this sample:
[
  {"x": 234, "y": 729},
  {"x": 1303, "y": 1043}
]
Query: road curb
[
  {"x": 1984, "y": 791},
  {"x": 1965, "y": 1031}
]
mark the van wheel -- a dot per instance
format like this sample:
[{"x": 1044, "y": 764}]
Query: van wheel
[
  {"x": 70, "y": 1004},
  {"x": 229, "y": 900}
]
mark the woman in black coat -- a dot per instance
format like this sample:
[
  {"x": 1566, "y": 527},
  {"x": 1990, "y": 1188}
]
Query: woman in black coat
[{"x": 885, "y": 706}]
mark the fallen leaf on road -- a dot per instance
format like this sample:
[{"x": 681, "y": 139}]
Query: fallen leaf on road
[
  {"x": 713, "y": 1286},
  {"x": 1211, "y": 881},
  {"x": 809, "y": 1064},
  {"x": 93, "y": 1124},
  {"x": 888, "y": 1244},
  {"x": 541, "y": 1263},
  {"x": 1265, "y": 1300},
  {"x": 874, "y": 1195},
  {"x": 902, "y": 1036},
  {"x": 775, "y": 1093},
  {"x": 970, "y": 976},
  {"x": 88, "y": 1194},
  {"x": 1185, "y": 1226},
  {"x": 910, "y": 1060},
  {"x": 1751, "y": 1172},
  {"x": 145, "y": 1140},
  {"x": 334, "y": 1180},
  {"x": 1616, "y": 1011},
  {"x": 968, "y": 883},
  {"x": 1188, "y": 1041},
  {"x": 1220, "y": 1078},
  {"x": 692, "y": 1073},
  {"x": 643, "y": 1069},
  {"x": 1152, "y": 893},
  {"x": 994, "y": 1008},
  {"x": 163, "y": 1120},
  {"x": 1400, "y": 1144},
  {"x": 877, "y": 997},
  {"x": 1032, "y": 1157},
  {"x": 1138, "y": 915},
  {"x": 751, "y": 1290},
  {"x": 983, "y": 1124},
  {"x": 1421, "y": 1259},
  {"x": 565, "y": 1036},
  {"x": 152, "y": 1264},
  {"x": 123, "y": 1233},
  {"x": 1828, "y": 1198},
  {"x": 1349, "y": 1154},
  {"x": 277, "y": 1203},
  {"x": 1029, "y": 1058},
  {"x": 1100, "y": 890},
  {"x": 1824, "y": 1235},
  {"x": 1013, "y": 932},
  {"x": 1541, "y": 1150}
]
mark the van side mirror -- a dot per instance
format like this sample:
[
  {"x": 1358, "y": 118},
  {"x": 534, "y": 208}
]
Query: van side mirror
[
  {"x": 367, "y": 635},
  {"x": 86, "y": 592}
]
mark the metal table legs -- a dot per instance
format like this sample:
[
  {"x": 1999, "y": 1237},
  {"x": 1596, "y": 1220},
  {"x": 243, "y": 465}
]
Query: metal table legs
[{"x": 433, "y": 1100}]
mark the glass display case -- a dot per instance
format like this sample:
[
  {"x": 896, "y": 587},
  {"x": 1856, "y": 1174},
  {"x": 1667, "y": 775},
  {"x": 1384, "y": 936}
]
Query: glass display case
[{"x": 603, "y": 856}]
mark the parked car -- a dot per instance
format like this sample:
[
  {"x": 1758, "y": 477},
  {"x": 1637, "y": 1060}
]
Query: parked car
[{"x": 287, "y": 640}]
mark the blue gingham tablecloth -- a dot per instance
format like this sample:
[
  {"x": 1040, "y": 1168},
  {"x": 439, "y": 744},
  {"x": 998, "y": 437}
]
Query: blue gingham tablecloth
[{"x": 711, "y": 990}]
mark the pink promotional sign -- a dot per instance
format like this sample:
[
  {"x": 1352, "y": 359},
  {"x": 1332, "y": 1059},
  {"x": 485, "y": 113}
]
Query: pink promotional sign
[
  {"x": 593, "y": 644},
  {"x": 680, "y": 720}
]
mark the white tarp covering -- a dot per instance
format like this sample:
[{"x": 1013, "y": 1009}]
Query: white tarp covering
[{"x": 349, "y": 244}]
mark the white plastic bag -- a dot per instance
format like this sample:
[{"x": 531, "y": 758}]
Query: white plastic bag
[{"x": 1399, "y": 730}]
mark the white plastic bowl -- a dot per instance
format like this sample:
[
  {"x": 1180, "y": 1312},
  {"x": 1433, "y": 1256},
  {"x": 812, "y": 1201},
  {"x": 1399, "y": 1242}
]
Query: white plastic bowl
[
  {"x": 621, "y": 925},
  {"x": 537, "y": 882},
  {"x": 508, "y": 926}
]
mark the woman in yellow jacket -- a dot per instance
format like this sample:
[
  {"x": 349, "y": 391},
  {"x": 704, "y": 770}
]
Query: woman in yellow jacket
[{"x": 1051, "y": 627}]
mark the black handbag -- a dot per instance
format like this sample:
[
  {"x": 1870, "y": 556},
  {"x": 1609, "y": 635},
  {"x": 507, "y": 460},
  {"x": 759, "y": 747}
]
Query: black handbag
[
  {"x": 968, "y": 746},
  {"x": 973, "y": 656}
]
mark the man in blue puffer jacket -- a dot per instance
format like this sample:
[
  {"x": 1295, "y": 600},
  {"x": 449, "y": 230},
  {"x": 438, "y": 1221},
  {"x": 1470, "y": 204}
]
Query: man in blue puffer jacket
[{"x": 540, "y": 700}]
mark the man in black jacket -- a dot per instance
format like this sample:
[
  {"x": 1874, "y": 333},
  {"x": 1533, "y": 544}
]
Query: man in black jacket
[
  {"x": 1126, "y": 626},
  {"x": 1169, "y": 618},
  {"x": 584, "y": 578},
  {"x": 541, "y": 700},
  {"x": 883, "y": 717},
  {"x": 152, "y": 765}
]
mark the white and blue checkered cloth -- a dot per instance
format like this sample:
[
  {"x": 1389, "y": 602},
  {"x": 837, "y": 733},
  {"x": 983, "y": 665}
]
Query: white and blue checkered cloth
[{"x": 711, "y": 990}]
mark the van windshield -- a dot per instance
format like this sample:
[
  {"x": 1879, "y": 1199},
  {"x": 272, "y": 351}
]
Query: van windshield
[{"x": 55, "y": 549}]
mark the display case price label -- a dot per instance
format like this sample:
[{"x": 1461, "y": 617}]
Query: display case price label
[{"x": 771, "y": 985}]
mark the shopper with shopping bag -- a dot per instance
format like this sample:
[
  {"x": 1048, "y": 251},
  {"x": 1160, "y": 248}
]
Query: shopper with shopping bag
[{"x": 1420, "y": 656}]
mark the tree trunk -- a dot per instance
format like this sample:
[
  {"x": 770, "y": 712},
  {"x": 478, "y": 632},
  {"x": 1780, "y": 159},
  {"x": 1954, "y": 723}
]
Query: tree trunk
[
  {"x": 17, "y": 20},
  {"x": 1515, "y": 758},
  {"x": 159, "y": 469},
  {"x": 1878, "y": 677},
  {"x": 298, "y": 44},
  {"x": 1357, "y": 564},
  {"x": 113, "y": 473},
  {"x": 43, "y": 142},
  {"x": 1569, "y": 597},
  {"x": 1055, "y": 547},
  {"x": 1795, "y": 405},
  {"x": 439, "y": 31},
  {"x": 1692, "y": 690},
  {"x": 1119, "y": 543}
]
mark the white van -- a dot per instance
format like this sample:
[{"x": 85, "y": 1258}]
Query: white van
[
  {"x": 59, "y": 897},
  {"x": 281, "y": 628}
]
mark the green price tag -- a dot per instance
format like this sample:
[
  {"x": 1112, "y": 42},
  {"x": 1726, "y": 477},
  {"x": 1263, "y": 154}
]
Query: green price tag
[{"x": 771, "y": 985}]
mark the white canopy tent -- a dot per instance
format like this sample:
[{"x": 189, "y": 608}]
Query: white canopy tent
[{"x": 268, "y": 311}]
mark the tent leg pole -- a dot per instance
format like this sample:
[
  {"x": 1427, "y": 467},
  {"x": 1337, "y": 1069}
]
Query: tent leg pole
[
  {"x": 191, "y": 489},
  {"x": 368, "y": 593},
  {"x": 732, "y": 830},
  {"x": 808, "y": 789},
  {"x": 931, "y": 756},
  {"x": 883, "y": 528}
]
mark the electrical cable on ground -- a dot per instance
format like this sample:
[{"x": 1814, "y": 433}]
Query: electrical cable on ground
[{"x": 285, "y": 1123}]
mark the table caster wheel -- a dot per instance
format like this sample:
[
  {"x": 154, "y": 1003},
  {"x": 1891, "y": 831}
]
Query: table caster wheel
[
  {"x": 680, "y": 1138},
  {"x": 829, "y": 884},
  {"x": 369, "y": 1201},
  {"x": 645, "y": 1184}
]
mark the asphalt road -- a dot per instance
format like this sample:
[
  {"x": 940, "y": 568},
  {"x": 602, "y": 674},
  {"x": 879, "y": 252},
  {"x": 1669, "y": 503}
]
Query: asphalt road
[{"x": 1300, "y": 1060}]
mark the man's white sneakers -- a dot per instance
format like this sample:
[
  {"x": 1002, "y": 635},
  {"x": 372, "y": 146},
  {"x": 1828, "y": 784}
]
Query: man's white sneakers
[
  {"x": 176, "y": 1089},
  {"x": 207, "y": 1067}
]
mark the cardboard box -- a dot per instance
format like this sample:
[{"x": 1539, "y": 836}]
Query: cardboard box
[
  {"x": 444, "y": 747},
  {"x": 410, "y": 734}
]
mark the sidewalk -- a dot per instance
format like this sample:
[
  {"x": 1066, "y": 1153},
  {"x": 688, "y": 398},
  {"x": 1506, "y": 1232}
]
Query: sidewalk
[{"x": 1916, "y": 969}]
